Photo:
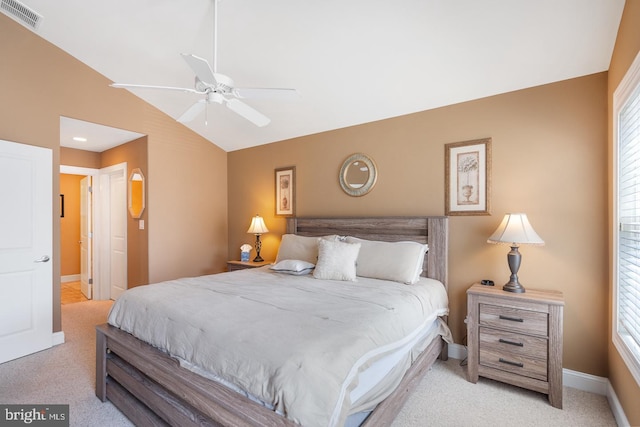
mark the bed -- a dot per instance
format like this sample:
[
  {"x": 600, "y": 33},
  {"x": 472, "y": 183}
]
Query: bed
[{"x": 161, "y": 387}]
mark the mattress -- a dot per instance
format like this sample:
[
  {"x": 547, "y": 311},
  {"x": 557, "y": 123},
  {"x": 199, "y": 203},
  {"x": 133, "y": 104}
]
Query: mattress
[{"x": 296, "y": 343}]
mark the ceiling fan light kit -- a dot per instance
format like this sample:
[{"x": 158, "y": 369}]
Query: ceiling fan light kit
[{"x": 219, "y": 88}]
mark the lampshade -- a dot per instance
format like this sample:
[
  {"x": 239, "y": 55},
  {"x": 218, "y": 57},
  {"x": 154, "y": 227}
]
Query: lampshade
[
  {"x": 257, "y": 226},
  {"x": 515, "y": 229}
]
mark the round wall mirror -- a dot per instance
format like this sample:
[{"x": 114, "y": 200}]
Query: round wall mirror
[{"x": 358, "y": 175}]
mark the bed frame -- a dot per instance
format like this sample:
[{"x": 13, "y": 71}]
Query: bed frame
[{"x": 151, "y": 388}]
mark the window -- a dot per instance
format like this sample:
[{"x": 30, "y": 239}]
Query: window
[{"x": 626, "y": 309}]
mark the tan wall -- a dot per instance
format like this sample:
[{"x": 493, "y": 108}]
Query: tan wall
[
  {"x": 70, "y": 225},
  {"x": 549, "y": 160},
  {"x": 626, "y": 49},
  {"x": 187, "y": 191},
  {"x": 80, "y": 158}
]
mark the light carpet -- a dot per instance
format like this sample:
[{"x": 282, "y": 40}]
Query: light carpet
[{"x": 65, "y": 374}]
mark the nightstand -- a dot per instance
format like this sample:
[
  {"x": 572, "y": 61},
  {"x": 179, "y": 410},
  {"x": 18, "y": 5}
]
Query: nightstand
[
  {"x": 241, "y": 265},
  {"x": 516, "y": 338}
]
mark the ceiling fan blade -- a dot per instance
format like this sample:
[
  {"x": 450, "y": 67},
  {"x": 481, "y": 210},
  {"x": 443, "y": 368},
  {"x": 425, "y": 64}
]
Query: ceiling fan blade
[
  {"x": 254, "y": 116},
  {"x": 193, "y": 111},
  {"x": 200, "y": 67},
  {"x": 132, "y": 86},
  {"x": 259, "y": 93}
]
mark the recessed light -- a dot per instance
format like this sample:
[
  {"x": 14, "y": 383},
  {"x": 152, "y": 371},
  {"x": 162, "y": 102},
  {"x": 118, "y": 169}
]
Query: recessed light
[{"x": 79, "y": 139}]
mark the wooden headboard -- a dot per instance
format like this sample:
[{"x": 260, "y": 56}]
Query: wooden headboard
[{"x": 432, "y": 230}]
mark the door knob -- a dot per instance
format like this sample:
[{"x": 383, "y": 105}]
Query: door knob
[{"x": 44, "y": 258}]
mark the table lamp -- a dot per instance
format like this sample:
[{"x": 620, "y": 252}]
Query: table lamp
[
  {"x": 515, "y": 229},
  {"x": 257, "y": 227}
]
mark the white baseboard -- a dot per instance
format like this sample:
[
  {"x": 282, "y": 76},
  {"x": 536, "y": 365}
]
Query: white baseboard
[
  {"x": 573, "y": 379},
  {"x": 57, "y": 338},
  {"x": 457, "y": 351},
  {"x": 585, "y": 382},
  {"x": 69, "y": 278},
  {"x": 616, "y": 407}
]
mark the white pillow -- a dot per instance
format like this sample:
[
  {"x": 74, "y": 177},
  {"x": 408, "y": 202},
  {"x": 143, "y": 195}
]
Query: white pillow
[
  {"x": 396, "y": 261},
  {"x": 336, "y": 260},
  {"x": 293, "y": 266},
  {"x": 302, "y": 248}
]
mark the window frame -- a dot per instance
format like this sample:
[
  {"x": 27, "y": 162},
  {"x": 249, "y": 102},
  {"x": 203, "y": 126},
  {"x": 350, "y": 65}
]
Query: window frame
[{"x": 629, "y": 350}]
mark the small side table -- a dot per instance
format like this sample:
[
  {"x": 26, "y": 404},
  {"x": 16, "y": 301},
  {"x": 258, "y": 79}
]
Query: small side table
[
  {"x": 516, "y": 338},
  {"x": 242, "y": 265}
]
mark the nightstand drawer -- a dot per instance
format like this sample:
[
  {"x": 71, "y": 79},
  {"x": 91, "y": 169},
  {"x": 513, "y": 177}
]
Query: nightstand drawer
[
  {"x": 514, "y": 319},
  {"x": 519, "y": 344},
  {"x": 518, "y": 364}
]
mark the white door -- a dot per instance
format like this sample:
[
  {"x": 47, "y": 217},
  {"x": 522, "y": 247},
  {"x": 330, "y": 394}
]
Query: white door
[
  {"x": 26, "y": 243},
  {"x": 113, "y": 190},
  {"x": 86, "y": 238}
]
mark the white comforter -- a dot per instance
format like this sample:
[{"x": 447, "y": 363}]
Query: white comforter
[{"x": 296, "y": 343}]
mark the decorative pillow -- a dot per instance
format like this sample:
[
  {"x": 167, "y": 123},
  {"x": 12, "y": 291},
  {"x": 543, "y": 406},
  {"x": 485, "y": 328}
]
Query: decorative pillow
[
  {"x": 293, "y": 266},
  {"x": 336, "y": 260},
  {"x": 396, "y": 261},
  {"x": 302, "y": 248}
]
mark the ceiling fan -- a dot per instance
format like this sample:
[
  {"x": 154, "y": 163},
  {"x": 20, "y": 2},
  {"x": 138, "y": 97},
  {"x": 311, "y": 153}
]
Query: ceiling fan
[{"x": 219, "y": 88}]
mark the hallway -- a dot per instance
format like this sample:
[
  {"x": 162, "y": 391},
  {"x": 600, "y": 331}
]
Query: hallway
[{"x": 70, "y": 293}]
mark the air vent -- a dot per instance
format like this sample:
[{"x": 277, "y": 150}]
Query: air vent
[{"x": 21, "y": 13}]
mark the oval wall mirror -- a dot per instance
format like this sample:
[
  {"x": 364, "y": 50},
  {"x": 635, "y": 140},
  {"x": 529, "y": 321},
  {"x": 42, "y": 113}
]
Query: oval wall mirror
[
  {"x": 136, "y": 193},
  {"x": 358, "y": 175}
]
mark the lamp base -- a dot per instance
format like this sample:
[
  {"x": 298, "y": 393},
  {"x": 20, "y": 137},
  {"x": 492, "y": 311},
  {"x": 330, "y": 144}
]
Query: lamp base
[
  {"x": 258, "y": 258},
  {"x": 514, "y": 258},
  {"x": 514, "y": 287}
]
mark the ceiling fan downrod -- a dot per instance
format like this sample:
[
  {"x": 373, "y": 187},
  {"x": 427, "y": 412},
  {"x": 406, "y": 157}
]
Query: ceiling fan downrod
[{"x": 215, "y": 36}]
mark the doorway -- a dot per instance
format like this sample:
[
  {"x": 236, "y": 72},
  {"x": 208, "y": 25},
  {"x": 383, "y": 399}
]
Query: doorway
[
  {"x": 76, "y": 278},
  {"x": 119, "y": 249},
  {"x": 94, "y": 244}
]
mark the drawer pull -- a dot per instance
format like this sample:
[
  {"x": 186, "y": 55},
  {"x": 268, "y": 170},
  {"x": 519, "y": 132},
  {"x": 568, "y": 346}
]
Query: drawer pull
[
  {"x": 512, "y": 319},
  {"x": 508, "y": 362},
  {"x": 519, "y": 344}
]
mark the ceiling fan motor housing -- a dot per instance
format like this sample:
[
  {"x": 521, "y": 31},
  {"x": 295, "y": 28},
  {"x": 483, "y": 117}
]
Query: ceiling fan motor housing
[{"x": 215, "y": 97}]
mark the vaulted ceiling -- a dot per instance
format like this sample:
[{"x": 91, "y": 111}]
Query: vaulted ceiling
[{"x": 352, "y": 61}]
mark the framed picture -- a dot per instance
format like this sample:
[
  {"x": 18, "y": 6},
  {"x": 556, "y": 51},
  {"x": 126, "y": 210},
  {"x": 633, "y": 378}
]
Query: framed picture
[
  {"x": 468, "y": 177},
  {"x": 286, "y": 191}
]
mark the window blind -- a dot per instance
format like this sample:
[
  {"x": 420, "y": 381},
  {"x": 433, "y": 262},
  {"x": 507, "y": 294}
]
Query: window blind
[{"x": 629, "y": 221}]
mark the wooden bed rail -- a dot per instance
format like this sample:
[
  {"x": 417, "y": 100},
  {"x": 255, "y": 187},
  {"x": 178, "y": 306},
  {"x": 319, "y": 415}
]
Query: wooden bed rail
[
  {"x": 127, "y": 367},
  {"x": 139, "y": 388}
]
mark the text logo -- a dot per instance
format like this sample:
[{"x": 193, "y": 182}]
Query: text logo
[{"x": 34, "y": 415}]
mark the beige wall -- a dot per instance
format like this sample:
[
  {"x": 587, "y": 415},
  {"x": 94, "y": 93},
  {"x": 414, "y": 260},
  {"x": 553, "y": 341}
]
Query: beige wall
[
  {"x": 626, "y": 49},
  {"x": 187, "y": 176},
  {"x": 80, "y": 158},
  {"x": 549, "y": 160}
]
